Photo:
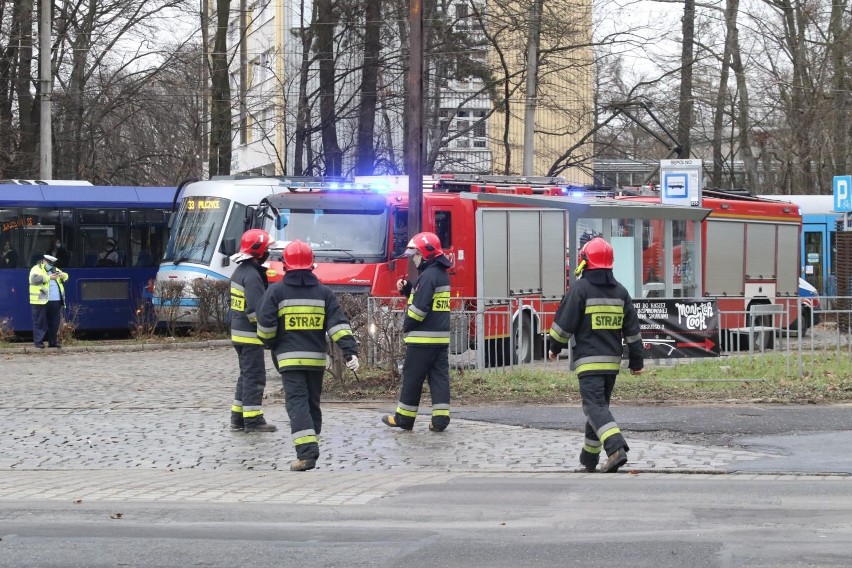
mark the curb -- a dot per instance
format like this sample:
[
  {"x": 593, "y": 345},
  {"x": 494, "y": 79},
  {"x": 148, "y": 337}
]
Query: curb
[{"x": 205, "y": 344}]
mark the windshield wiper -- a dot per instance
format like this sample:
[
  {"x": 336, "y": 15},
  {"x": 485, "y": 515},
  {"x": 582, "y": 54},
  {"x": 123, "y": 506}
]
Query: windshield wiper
[
  {"x": 186, "y": 254},
  {"x": 350, "y": 258}
]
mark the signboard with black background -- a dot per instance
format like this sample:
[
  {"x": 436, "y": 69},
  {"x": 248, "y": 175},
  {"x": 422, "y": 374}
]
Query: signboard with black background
[{"x": 678, "y": 328}]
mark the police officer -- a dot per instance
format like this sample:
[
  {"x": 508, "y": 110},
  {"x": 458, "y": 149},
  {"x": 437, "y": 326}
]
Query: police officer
[
  {"x": 296, "y": 314},
  {"x": 427, "y": 336},
  {"x": 248, "y": 285},
  {"x": 595, "y": 314},
  {"x": 47, "y": 298}
]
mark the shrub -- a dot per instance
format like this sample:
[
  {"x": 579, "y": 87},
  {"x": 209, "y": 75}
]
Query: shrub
[
  {"x": 169, "y": 309},
  {"x": 7, "y": 332},
  {"x": 214, "y": 303},
  {"x": 144, "y": 324},
  {"x": 68, "y": 323}
]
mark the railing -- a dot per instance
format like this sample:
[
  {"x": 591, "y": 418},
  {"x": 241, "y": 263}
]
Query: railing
[{"x": 504, "y": 333}]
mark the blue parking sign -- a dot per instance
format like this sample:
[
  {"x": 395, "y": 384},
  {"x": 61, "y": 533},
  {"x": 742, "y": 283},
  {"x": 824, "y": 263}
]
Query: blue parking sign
[{"x": 842, "y": 194}]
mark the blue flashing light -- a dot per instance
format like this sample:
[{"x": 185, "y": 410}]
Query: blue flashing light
[
  {"x": 577, "y": 194},
  {"x": 380, "y": 186}
]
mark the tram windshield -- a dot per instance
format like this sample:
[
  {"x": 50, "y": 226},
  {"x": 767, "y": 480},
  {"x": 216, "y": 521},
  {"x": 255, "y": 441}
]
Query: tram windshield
[{"x": 197, "y": 230}]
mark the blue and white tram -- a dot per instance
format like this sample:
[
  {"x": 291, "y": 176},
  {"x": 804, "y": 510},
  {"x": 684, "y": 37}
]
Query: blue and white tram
[
  {"x": 818, "y": 251},
  {"x": 210, "y": 220},
  {"x": 75, "y": 223}
]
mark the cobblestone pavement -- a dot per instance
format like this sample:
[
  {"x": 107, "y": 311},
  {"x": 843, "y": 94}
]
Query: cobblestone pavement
[{"x": 154, "y": 425}]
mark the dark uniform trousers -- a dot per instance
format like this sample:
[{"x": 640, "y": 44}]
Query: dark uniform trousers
[
  {"x": 46, "y": 321},
  {"x": 422, "y": 361},
  {"x": 252, "y": 379},
  {"x": 303, "y": 390},
  {"x": 601, "y": 428}
]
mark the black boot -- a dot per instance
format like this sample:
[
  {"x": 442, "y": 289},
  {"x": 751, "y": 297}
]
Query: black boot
[
  {"x": 589, "y": 461},
  {"x": 237, "y": 422},
  {"x": 258, "y": 424}
]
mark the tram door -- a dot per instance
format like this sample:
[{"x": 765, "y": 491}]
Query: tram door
[{"x": 814, "y": 237}]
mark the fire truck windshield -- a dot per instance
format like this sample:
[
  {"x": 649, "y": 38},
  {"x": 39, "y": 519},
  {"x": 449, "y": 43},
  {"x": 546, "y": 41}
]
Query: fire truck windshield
[
  {"x": 197, "y": 229},
  {"x": 334, "y": 233}
]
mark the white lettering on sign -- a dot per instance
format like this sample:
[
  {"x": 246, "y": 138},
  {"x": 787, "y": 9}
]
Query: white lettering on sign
[
  {"x": 842, "y": 194},
  {"x": 694, "y": 315},
  {"x": 842, "y": 190}
]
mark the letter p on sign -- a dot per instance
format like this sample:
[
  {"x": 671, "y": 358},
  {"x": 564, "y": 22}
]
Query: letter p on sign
[{"x": 842, "y": 194}]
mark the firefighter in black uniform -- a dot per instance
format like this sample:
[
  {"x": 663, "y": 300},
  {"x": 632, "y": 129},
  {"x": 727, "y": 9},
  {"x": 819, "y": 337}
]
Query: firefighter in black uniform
[
  {"x": 248, "y": 285},
  {"x": 595, "y": 314},
  {"x": 427, "y": 336},
  {"x": 293, "y": 320}
]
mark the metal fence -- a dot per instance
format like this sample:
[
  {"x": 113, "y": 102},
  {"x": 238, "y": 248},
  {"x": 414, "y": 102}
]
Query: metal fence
[{"x": 504, "y": 334}]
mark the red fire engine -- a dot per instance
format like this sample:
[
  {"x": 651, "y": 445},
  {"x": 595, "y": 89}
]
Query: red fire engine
[{"x": 507, "y": 240}]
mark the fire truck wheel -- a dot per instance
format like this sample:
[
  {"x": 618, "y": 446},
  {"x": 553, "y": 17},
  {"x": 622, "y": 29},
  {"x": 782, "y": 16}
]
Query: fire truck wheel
[
  {"x": 524, "y": 342},
  {"x": 806, "y": 321}
]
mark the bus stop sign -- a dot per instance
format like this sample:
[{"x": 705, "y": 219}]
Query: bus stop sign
[
  {"x": 680, "y": 182},
  {"x": 842, "y": 194}
]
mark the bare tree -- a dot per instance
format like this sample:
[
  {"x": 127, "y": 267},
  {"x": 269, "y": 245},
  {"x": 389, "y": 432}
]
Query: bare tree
[
  {"x": 108, "y": 96},
  {"x": 365, "y": 152},
  {"x": 220, "y": 95},
  {"x": 327, "y": 18}
]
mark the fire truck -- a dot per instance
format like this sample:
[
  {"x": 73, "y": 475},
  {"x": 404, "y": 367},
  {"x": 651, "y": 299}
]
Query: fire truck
[{"x": 508, "y": 240}]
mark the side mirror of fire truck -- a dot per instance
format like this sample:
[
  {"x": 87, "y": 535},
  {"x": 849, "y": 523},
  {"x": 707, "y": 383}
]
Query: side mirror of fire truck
[{"x": 281, "y": 222}]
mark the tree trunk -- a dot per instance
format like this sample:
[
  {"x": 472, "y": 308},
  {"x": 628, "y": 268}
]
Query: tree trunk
[
  {"x": 303, "y": 111},
  {"x": 722, "y": 94},
  {"x": 26, "y": 162},
  {"x": 365, "y": 151},
  {"x": 838, "y": 46},
  {"x": 742, "y": 115},
  {"x": 220, "y": 103},
  {"x": 684, "y": 119},
  {"x": 327, "y": 18}
]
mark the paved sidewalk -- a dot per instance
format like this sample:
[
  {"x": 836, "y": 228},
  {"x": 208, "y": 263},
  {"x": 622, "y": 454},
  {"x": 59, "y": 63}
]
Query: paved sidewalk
[{"x": 153, "y": 425}]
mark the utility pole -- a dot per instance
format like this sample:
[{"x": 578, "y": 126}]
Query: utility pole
[
  {"x": 533, "y": 42},
  {"x": 415, "y": 117},
  {"x": 45, "y": 82}
]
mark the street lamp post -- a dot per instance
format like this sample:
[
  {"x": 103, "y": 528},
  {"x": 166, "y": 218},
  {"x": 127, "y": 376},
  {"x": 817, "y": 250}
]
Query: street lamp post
[{"x": 45, "y": 89}]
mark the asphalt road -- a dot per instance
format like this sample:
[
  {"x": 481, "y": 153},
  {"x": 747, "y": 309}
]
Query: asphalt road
[
  {"x": 117, "y": 458},
  {"x": 506, "y": 521}
]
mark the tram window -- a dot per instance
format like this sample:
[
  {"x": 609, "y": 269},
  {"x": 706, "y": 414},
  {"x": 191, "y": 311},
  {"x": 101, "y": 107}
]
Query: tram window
[
  {"x": 236, "y": 226},
  {"x": 43, "y": 230},
  {"x": 147, "y": 237},
  {"x": 159, "y": 216},
  {"x": 814, "y": 257},
  {"x": 104, "y": 238},
  {"x": 88, "y": 216},
  {"x": 12, "y": 225}
]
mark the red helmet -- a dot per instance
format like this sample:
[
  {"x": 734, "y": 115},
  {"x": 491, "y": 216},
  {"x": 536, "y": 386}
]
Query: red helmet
[
  {"x": 428, "y": 244},
  {"x": 597, "y": 253},
  {"x": 298, "y": 256},
  {"x": 255, "y": 242}
]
